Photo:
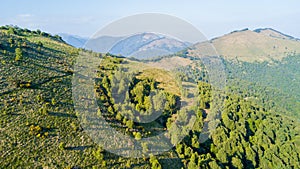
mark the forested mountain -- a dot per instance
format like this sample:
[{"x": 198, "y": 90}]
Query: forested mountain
[
  {"x": 39, "y": 127},
  {"x": 278, "y": 81}
]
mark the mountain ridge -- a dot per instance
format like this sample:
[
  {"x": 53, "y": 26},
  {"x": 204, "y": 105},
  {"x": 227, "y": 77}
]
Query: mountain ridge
[{"x": 263, "y": 44}]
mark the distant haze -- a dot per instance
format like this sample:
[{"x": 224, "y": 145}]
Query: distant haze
[{"x": 156, "y": 23}]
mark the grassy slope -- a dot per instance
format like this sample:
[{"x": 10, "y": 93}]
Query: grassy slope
[
  {"x": 250, "y": 46},
  {"x": 49, "y": 72}
]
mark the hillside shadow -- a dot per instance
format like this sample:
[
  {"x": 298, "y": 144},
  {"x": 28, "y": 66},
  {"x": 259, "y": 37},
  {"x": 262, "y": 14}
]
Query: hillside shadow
[
  {"x": 9, "y": 91},
  {"x": 171, "y": 163}
]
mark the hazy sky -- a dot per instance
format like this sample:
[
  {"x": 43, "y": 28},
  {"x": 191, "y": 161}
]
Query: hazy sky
[{"x": 212, "y": 18}]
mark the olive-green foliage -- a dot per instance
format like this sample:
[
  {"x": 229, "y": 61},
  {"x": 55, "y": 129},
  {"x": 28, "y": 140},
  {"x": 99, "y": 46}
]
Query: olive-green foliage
[
  {"x": 154, "y": 162},
  {"x": 247, "y": 136}
]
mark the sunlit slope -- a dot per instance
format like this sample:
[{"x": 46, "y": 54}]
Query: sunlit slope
[{"x": 246, "y": 45}]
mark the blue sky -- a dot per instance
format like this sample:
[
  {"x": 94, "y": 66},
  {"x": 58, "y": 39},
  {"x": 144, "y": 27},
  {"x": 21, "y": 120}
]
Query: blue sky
[{"x": 212, "y": 18}]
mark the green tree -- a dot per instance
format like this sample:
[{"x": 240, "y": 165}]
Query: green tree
[
  {"x": 128, "y": 164},
  {"x": 105, "y": 83},
  {"x": 53, "y": 101},
  {"x": 19, "y": 54},
  {"x": 195, "y": 142},
  {"x": 192, "y": 164},
  {"x": 236, "y": 162},
  {"x": 154, "y": 162},
  {"x": 38, "y": 31},
  {"x": 129, "y": 124},
  {"x": 119, "y": 116},
  {"x": 145, "y": 148},
  {"x": 11, "y": 30},
  {"x": 44, "y": 109},
  {"x": 213, "y": 164},
  {"x": 147, "y": 103},
  {"x": 11, "y": 41},
  {"x": 98, "y": 154}
]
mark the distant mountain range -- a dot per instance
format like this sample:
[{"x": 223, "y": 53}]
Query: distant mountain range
[
  {"x": 73, "y": 40},
  {"x": 246, "y": 45},
  {"x": 147, "y": 45},
  {"x": 143, "y": 45}
]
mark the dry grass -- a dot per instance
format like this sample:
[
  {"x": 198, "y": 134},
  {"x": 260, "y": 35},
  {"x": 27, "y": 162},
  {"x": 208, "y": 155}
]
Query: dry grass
[
  {"x": 164, "y": 78},
  {"x": 250, "y": 46},
  {"x": 171, "y": 63}
]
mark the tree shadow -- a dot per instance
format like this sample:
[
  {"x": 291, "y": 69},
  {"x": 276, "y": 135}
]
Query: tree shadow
[
  {"x": 38, "y": 84},
  {"x": 62, "y": 114},
  {"x": 9, "y": 91},
  {"x": 78, "y": 148}
]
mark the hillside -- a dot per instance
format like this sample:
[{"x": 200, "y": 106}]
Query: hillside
[
  {"x": 39, "y": 127},
  {"x": 35, "y": 102},
  {"x": 258, "y": 45}
]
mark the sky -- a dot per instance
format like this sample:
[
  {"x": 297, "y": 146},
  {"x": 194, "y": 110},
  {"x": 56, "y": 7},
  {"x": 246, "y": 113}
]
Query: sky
[{"x": 213, "y": 18}]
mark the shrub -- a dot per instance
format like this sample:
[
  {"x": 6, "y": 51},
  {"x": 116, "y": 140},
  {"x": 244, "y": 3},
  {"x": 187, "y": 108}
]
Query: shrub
[
  {"x": 98, "y": 154},
  {"x": 129, "y": 124},
  {"x": 62, "y": 146},
  {"x": 11, "y": 30},
  {"x": 138, "y": 136}
]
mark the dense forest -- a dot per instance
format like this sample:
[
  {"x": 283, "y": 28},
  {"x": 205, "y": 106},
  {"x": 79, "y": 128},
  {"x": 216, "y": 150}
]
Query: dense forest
[
  {"x": 39, "y": 127},
  {"x": 275, "y": 82}
]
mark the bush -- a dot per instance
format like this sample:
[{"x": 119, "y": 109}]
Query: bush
[
  {"x": 62, "y": 146},
  {"x": 44, "y": 109},
  {"x": 138, "y": 136},
  {"x": 35, "y": 130}
]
